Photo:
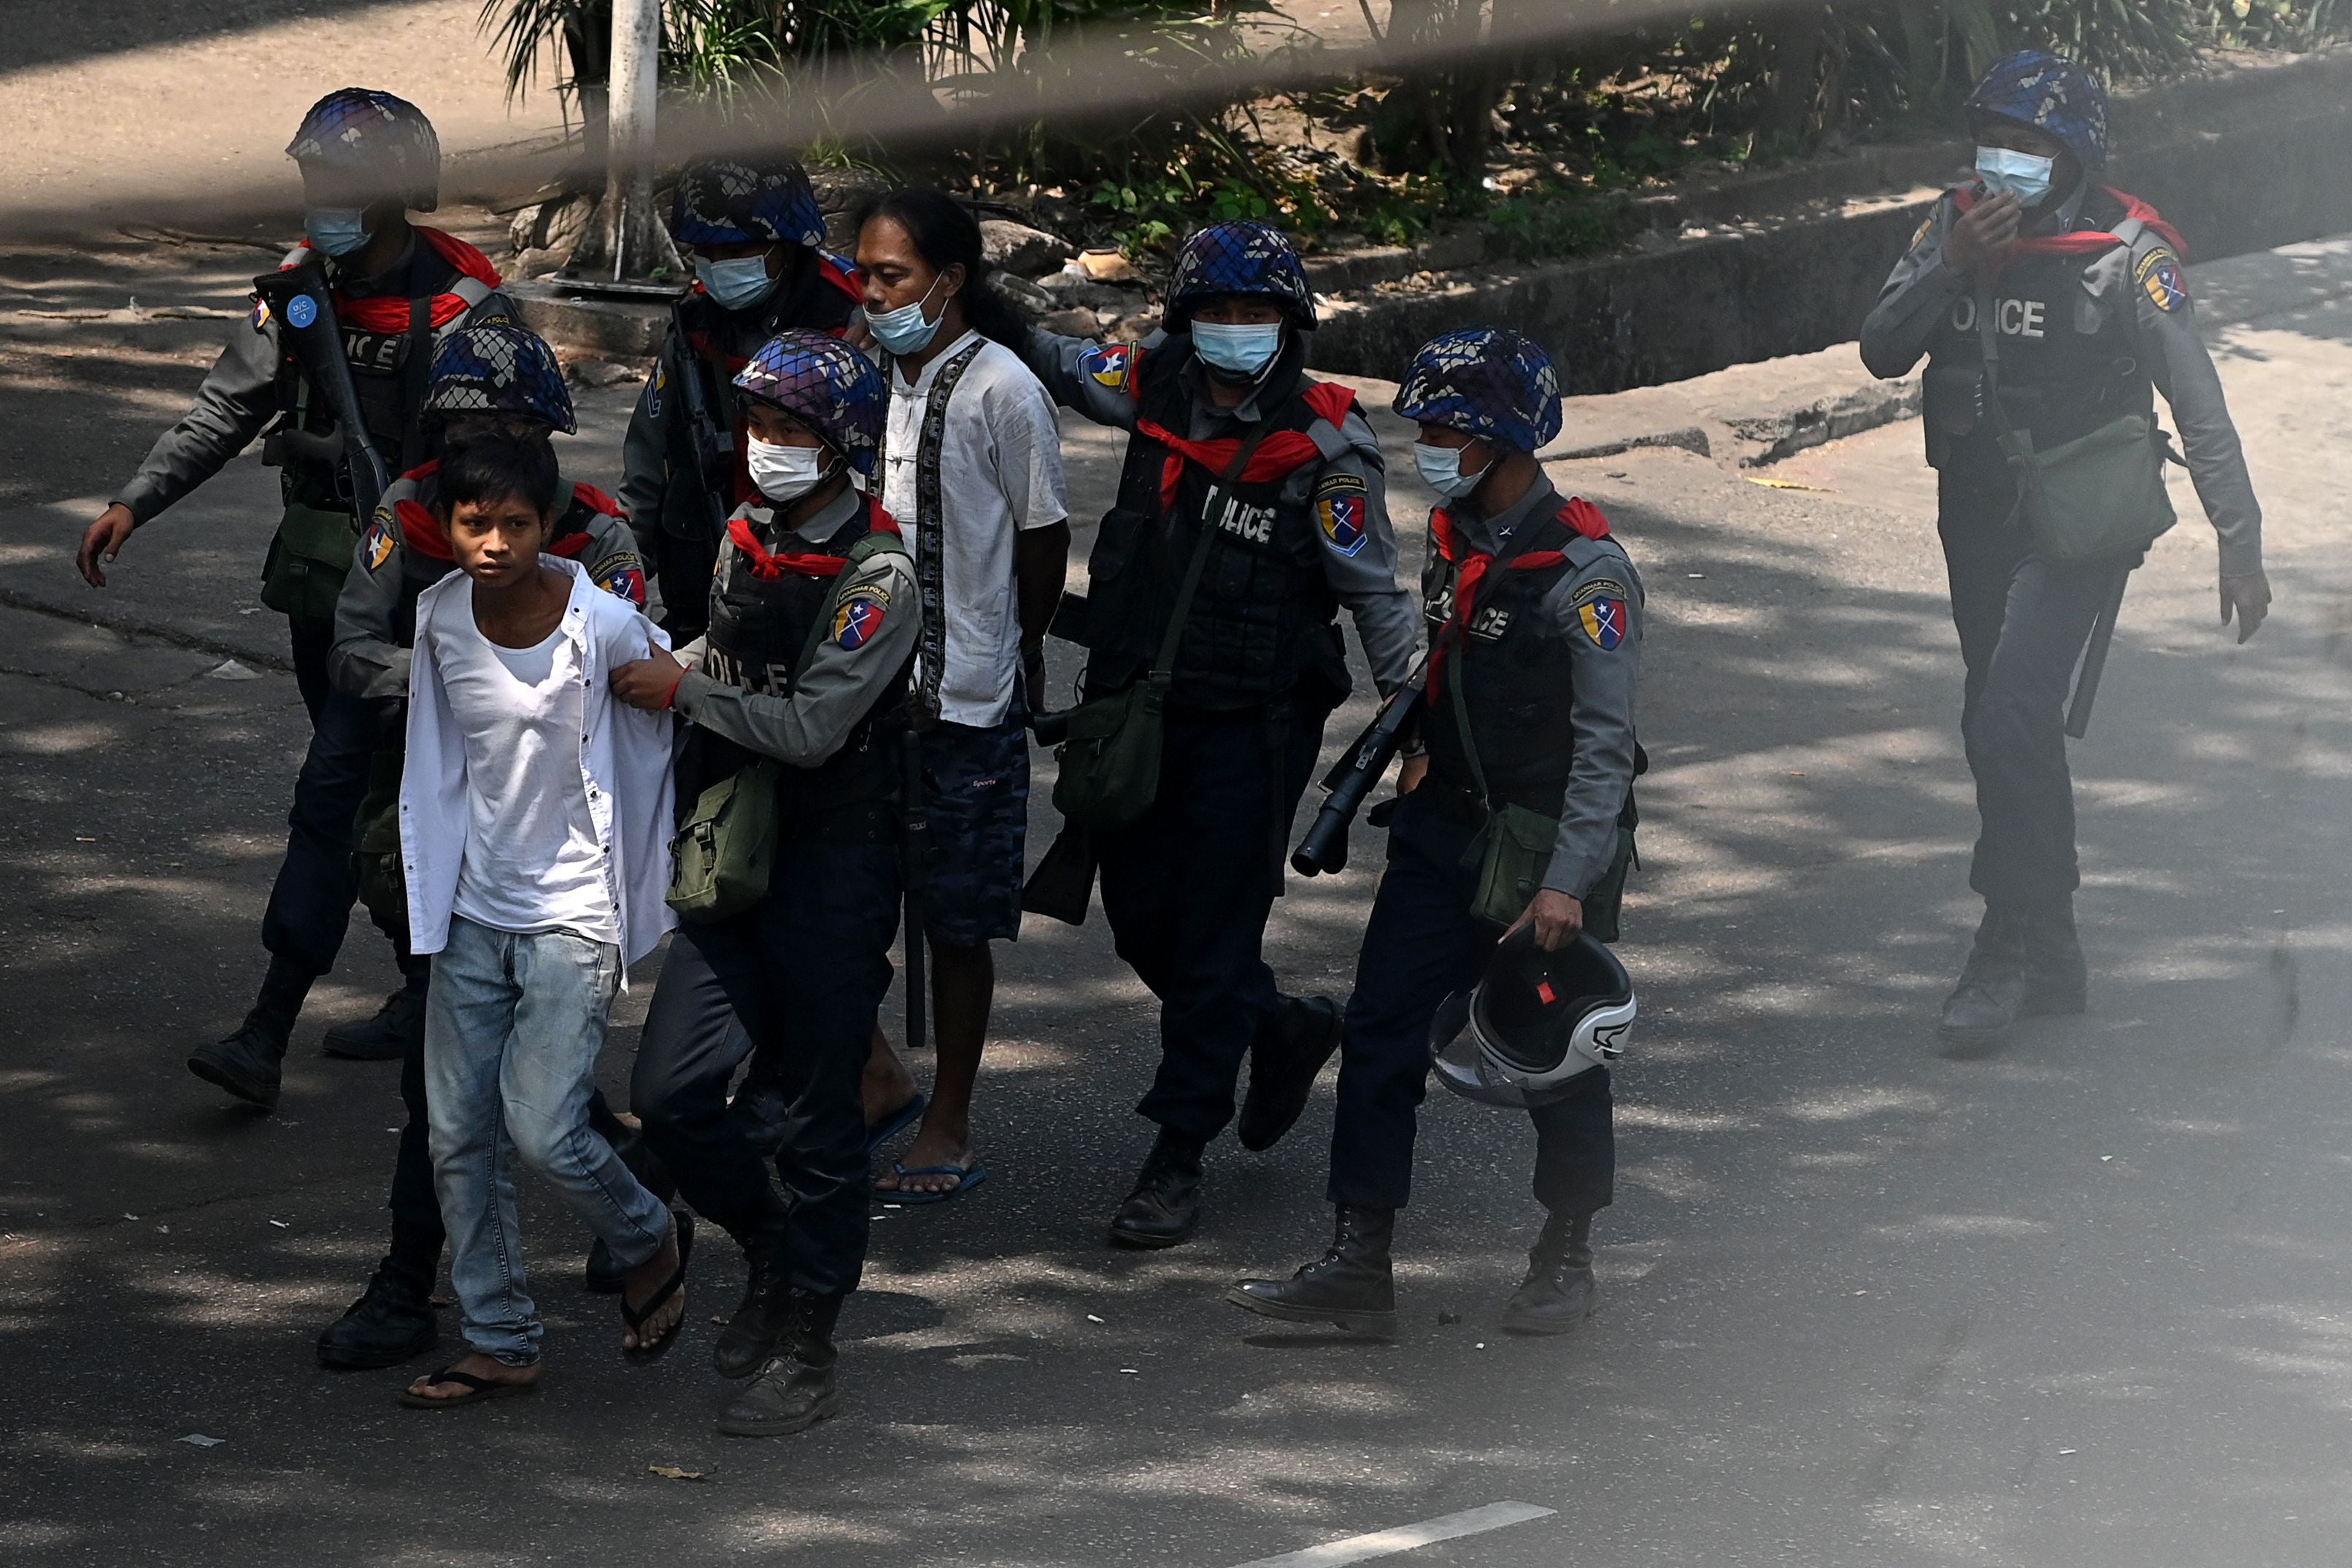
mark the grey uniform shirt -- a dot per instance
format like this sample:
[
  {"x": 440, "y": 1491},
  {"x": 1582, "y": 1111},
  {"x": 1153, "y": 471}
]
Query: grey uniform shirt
[
  {"x": 839, "y": 685},
  {"x": 1921, "y": 292},
  {"x": 1092, "y": 377},
  {"x": 1601, "y": 684},
  {"x": 239, "y": 394}
]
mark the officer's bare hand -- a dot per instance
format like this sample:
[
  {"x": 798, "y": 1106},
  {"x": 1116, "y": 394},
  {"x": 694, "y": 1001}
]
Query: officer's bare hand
[
  {"x": 2247, "y": 596},
  {"x": 1984, "y": 234},
  {"x": 1557, "y": 920},
  {"x": 1412, "y": 772},
  {"x": 648, "y": 683},
  {"x": 102, "y": 542}
]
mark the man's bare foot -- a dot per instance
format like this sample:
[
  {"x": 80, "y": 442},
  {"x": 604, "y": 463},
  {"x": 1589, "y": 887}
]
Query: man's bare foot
[
  {"x": 887, "y": 1084},
  {"x": 933, "y": 1145},
  {"x": 638, "y": 1286},
  {"x": 488, "y": 1368}
]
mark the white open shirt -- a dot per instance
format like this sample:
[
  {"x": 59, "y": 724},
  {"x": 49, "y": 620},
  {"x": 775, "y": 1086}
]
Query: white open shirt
[{"x": 1000, "y": 474}]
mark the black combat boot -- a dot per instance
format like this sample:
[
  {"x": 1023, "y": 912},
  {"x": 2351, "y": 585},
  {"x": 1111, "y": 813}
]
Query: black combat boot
[
  {"x": 1556, "y": 1295},
  {"x": 1349, "y": 1285},
  {"x": 759, "y": 1324},
  {"x": 397, "y": 1028},
  {"x": 795, "y": 1390},
  {"x": 247, "y": 1063},
  {"x": 1166, "y": 1203},
  {"x": 1288, "y": 1053},
  {"x": 2057, "y": 980},
  {"x": 1977, "y": 1013},
  {"x": 389, "y": 1325}
]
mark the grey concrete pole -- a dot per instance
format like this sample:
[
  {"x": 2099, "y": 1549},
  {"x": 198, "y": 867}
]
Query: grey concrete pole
[{"x": 628, "y": 188}]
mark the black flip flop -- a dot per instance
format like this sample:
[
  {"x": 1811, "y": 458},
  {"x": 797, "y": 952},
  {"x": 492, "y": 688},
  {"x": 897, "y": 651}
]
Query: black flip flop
[
  {"x": 483, "y": 1388},
  {"x": 634, "y": 1318}
]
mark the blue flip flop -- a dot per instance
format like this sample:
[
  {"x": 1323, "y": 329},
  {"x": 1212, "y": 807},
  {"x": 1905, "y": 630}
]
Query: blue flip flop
[
  {"x": 971, "y": 1176},
  {"x": 896, "y": 1122}
]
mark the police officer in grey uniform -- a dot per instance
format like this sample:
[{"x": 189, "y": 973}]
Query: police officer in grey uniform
[
  {"x": 1303, "y": 531},
  {"x": 497, "y": 377},
  {"x": 1534, "y": 613},
  {"x": 367, "y": 158},
  {"x": 2092, "y": 316},
  {"x": 756, "y": 236}
]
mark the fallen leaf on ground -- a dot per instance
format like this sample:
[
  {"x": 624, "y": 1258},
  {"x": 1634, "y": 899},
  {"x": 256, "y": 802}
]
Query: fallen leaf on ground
[{"x": 672, "y": 1473}]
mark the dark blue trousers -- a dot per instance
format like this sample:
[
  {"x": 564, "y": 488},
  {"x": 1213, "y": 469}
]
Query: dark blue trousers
[
  {"x": 804, "y": 971},
  {"x": 1187, "y": 891},
  {"x": 1422, "y": 945},
  {"x": 2023, "y": 621},
  {"x": 310, "y": 902}
]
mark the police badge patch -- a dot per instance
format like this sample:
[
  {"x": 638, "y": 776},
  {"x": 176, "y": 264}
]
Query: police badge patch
[
  {"x": 1110, "y": 365},
  {"x": 1343, "y": 513},
  {"x": 624, "y": 578},
  {"x": 2158, "y": 275},
  {"x": 1604, "y": 621},
  {"x": 858, "y": 617},
  {"x": 376, "y": 549}
]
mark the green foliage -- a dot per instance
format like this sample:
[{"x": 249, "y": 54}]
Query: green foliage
[{"x": 1548, "y": 225}]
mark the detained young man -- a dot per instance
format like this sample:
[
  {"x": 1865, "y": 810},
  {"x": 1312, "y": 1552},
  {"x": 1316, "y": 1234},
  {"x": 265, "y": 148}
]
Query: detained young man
[{"x": 533, "y": 818}]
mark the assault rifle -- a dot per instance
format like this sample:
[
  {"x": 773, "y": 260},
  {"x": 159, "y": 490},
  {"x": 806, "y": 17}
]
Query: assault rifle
[
  {"x": 298, "y": 297},
  {"x": 708, "y": 437}
]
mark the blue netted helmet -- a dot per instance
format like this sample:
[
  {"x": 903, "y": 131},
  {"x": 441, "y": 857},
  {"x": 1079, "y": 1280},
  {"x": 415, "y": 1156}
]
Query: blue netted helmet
[
  {"x": 826, "y": 385},
  {"x": 722, "y": 201},
  {"x": 380, "y": 139},
  {"x": 498, "y": 368},
  {"x": 1239, "y": 258},
  {"x": 2051, "y": 93},
  {"x": 1483, "y": 382}
]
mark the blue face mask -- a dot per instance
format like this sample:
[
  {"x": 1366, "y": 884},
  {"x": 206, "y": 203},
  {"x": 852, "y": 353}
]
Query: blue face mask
[
  {"x": 1239, "y": 351},
  {"x": 335, "y": 231},
  {"x": 736, "y": 284},
  {"x": 1440, "y": 469},
  {"x": 2024, "y": 174},
  {"x": 906, "y": 330}
]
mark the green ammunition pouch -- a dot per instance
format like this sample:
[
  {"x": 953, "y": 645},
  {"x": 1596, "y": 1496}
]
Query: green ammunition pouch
[
  {"x": 308, "y": 557},
  {"x": 2100, "y": 497}
]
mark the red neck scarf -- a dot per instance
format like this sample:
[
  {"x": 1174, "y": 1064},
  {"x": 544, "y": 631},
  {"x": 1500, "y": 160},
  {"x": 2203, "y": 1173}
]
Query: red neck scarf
[
  {"x": 2086, "y": 243},
  {"x": 1471, "y": 567},
  {"x": 422, "y": 529},
  {"x": 386, "y": 313},
  {"x": 1276, "y": 457},
  {"x": 769, "y": 565}
]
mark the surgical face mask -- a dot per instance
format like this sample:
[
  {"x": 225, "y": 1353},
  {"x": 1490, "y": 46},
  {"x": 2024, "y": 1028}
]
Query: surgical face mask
[
  {"x": 336, "y": 231},
  {"x": 905, "y": 331},
  {"x": 1244, "y": 350},
  {"x": 784, "y": 473},
  {"x": 1441, "y": 469},
  {"x": 2023, "y": 174},
  {"x": 736, "y": 284}
]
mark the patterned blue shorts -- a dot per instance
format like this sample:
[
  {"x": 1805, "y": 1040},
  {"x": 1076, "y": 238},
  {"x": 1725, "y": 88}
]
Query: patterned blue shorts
[{"x": 976, "y": 784}]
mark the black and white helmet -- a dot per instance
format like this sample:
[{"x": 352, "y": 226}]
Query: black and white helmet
[{"x": 1533, "y": 1022}]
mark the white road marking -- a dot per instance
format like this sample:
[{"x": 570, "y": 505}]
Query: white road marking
[{"x": 1405, "y": 1537}]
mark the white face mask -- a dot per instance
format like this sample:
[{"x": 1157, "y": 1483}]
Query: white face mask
[
  {"x": 1242, "y": 351},
  {"x": 736, "y": 284},
  {"x": 1440, "y": 469},
  {"x": 907, "y": 331},
  {"x": 2024, "y": 174},
  {"x": 784, "y": 474}
]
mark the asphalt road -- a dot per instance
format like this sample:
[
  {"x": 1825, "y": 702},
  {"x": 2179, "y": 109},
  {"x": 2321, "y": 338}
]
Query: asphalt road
[{"x": 2082, "y": 1303}]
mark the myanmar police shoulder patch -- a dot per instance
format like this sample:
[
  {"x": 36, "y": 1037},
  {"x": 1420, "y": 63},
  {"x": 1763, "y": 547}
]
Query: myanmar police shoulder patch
[
  {"x": 376, "y": 547},
  {"x": 2159, "y": 276},
  {"x": 624, "y": 577},
  {"x": 858, "y": 616},
  {"x": 1110, "y": 365},
  {"x": 1343, "y": 512},
  {"x": 1604, "y": 621}
]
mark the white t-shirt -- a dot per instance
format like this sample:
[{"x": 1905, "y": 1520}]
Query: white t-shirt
[
  {"x": 532, "y": 860},
  {"x": 1000, "y": 474}
]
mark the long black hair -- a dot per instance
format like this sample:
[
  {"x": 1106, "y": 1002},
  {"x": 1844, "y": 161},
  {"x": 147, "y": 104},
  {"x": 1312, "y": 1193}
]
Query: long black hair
[{"x": 946, "y": 234}]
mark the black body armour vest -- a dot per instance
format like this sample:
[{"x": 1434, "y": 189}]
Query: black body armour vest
[
  {"x": 759, "y": 627},
  {"x": 1515, "y": 671},
  {"x": 2068, "y": 364},
  {"x": 388, "y": 374},
  {"x": 1265, "y": 613}
]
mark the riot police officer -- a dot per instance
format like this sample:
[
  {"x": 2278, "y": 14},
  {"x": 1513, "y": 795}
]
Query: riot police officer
[
  {"x": 800, "y": 689},
  {"x": 1261, "y": 488},
  {"x": 755, "y": 233},
  {"x": 398, "y": 289},
  {"x": 495, "y": 377},
  {"x": 2075, "y": 291},
  {"x": 1516, "y": 817}
]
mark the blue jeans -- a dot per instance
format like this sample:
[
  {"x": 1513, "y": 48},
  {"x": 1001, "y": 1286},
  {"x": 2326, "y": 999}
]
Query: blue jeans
[{"x": 513, "y": 1029}]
